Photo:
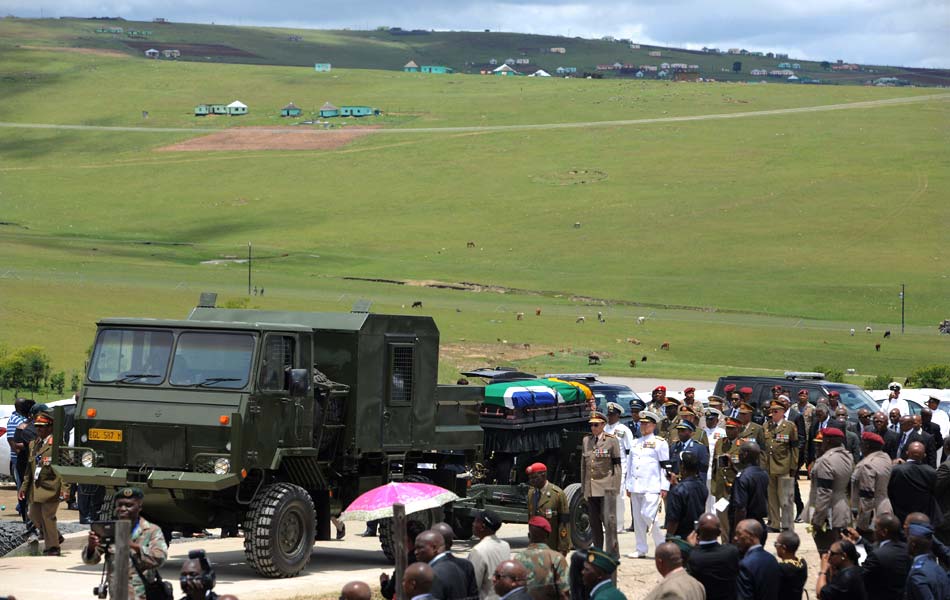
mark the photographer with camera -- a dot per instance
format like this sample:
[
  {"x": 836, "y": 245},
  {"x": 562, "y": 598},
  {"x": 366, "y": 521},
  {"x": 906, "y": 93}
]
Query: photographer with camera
[
  {"x": 198, "y": 578},
  {"x": 147, "y": 548}
]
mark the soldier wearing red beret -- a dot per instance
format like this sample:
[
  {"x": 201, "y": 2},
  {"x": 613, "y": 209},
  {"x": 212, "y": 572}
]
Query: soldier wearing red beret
[
  {"x": 548, "y": 501},
  {"x": 869, "y": 483},
  {"x": 830, "y": 478}
]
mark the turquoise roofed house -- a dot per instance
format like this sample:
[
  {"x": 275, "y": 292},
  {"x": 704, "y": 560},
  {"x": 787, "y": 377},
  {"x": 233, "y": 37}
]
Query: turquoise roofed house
[
  {"x": 321, "y": 67},
  {"x": 291, "y": 110},
  {"x": 411, "y": 67},
  {"x": 202, "y": 110},
  {"x": 439, "y": 69},
  {"x": 357, "y": 111},
  {"x": 328, "y": 110}
]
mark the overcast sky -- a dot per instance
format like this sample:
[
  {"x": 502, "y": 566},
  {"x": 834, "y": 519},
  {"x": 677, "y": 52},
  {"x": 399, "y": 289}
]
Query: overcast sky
[{"x": 894, "y": 32}]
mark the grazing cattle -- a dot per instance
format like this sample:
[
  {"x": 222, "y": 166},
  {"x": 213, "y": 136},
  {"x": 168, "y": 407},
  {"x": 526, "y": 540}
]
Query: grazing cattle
[
  {"x": 550, "y": 354},
  {"x": 519, "y": 316},
  {"x": 580, "y": 320},
  {"x": 633, "y": 363},
  {"x": 470, "y": 244},
  {"x": 852, "y": 331},
  {"x": 877, "y": 346},
  {"x": 593, "y": 359},
  {"x": 643, "y": 358},
  {"x": 633, "y": 341},
  {"x": 665, "y": 346},
  {"x": 417, "y": 304},
  {"x": 868, "y": 329},
  {"x": 640, "y": 320},
  {"x": 526, "y": 346},
  {"x": 887, "y": 334},
  {"x": 537, "y": 312},
  {"x": 577, "y": 225}
]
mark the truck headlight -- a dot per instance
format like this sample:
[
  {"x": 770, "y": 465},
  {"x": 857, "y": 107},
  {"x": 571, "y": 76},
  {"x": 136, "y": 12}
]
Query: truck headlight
[
  {"x": 222, "y": 466},
  {"x": 88, "y": 459}
]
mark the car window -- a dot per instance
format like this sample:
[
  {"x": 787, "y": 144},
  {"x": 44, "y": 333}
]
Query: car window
[
  {"x": 854, "y": 398},
  {"x": 212, "y": 360},
  {"x": 130, "y": 356}
]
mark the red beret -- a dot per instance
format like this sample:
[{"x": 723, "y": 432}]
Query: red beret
[
  {"x": 745, "y": 390},
  {"x": 729, "y": 388},
  {"x": 689, "y": 389},
  {"x": 776, "y": 387},
  {"x": 541, "y": 522},
  {"x": 536, "y": 468},
  {"x": 834, "y": 394},
  {"x": 659, "y": 388},
  {"x": 872, "y": 437},
  {"x": 832, "y": 432}
]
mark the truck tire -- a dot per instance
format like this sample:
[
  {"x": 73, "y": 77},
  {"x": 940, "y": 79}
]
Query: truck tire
[
  {"x": 385, "y": 531},
  {"x": 581, "y": 534},
  {"x": 279, "y": 529}
]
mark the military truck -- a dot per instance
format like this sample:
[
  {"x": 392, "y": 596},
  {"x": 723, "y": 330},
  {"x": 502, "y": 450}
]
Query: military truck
[{"x": 271, "y": 421}]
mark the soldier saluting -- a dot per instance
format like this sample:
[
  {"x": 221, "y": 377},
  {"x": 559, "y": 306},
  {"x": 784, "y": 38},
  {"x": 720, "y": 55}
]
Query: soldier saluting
[
  {"x": 600, "y": 473},
  {"x": 781, "y": 457}
]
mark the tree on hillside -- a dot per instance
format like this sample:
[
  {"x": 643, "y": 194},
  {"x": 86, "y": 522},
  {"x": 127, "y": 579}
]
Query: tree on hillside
[
  {"x": 933, "y": 376},
  {"x": 57, "y": 381},
  {"x": 831, "y": 374},
  {"x": 878, "y": 382},
  {"x": 74, "y": 382},
  {"x": 825, "y": 65},
  {"x": 737, "y": 66},
  {"x": 25, "y": 368}
]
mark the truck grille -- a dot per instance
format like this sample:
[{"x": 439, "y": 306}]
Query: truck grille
[{"x": 156, "y": 446}]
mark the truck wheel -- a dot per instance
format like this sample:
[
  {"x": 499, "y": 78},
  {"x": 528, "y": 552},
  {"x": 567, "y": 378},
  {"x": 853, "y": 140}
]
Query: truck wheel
[
  {"x": 279, "y": 529},
  {"x": 581, "y": 534},
  {"x": 385, "y": 531}
]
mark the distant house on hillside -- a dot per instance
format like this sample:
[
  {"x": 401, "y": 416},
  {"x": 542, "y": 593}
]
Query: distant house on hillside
[
  {"x": 509, "y": 61},
  {"x": 558, "y": 50},
  {"x": 505, "y": 70},
  {"x": 540, "y": 73},
  {"x": 759, "y": 72},
  {"x": 634, "y": 46},
  {"x": 218, "y": 109},
  {"x": 321, "y": 67},
  {"x": 438, "y": 69},
  {"x": 411, "y": 67},
  {"x": 152, "y": 53},
  {"x": 202, "y": 110},
  {"x": 291, "y": 110},
  {"x": 237, "y": 108},
  {"x": 523, "y": 61},
  {"x": 735, "y": 51},
  {"x": 655, "y": 53},
  {"x": 328, "y": 111},
  {"x": 171, "y": 53}
]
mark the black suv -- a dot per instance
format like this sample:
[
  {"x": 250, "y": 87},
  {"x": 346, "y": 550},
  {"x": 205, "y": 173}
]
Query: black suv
[{"x": 852, "y": 396}]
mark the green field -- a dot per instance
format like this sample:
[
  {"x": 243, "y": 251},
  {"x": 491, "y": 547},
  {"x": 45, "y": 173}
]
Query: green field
[{"x": 749, "y": 243}]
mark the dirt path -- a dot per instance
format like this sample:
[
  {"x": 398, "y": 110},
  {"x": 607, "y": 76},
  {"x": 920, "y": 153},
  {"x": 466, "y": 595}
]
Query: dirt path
[{"x": 538, "y": 126}]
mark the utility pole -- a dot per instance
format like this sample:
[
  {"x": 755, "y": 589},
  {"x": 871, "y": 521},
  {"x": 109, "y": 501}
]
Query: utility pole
[
  {"x": 249, "y": 268},
  {"x": 902, "y": 309}
]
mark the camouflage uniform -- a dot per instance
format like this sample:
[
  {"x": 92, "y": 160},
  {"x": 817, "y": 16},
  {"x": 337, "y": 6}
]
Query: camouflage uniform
[
  {"x": 551, "y": 503},
  {"x": 153, "y": 553},
  {"x": 547, "y": 572}
]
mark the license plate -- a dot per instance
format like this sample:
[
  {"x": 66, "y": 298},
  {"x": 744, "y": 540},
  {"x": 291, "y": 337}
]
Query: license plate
[{"x": 105, "y": 435}]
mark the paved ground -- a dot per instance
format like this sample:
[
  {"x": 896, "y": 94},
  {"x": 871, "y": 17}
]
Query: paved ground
[{"x": 332, "y": 564}]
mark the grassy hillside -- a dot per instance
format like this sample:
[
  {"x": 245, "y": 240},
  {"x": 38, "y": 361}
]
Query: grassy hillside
[
  {"x": 779, "y": 233},
  {"x": 384, "y": 50}
]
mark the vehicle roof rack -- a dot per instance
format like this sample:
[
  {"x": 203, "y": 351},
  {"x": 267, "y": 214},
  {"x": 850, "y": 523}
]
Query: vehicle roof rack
[
  {"x": 798, "y": 375},
  {"x": 578, "y": 376}
]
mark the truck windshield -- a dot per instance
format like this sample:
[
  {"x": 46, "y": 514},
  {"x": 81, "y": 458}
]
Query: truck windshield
[
  {"x": 854, "y": 397},
  {"x": 212, "y": 360},
  {"x": 130, "y": 356}
]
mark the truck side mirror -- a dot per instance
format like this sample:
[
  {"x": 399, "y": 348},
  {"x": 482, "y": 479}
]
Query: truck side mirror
[{"x": 299, "y": 382}]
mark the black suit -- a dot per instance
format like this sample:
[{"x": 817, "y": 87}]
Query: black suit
[
  {"x": 759, "y": 576},
  {"x": 885, "y": 570},
  {"x": 466, "y": 567},
  {"x": 812, "y": 446},
  {"x": 942, "y": 493},
  {"x": 519, "y": 594},
  {"x": 934, "y": 430},
  {"x": 716, "y": 567},
  {"x": 891, "y": 439},
  {"x": 924, "y": 438},
  {"x": 911, "y": 490},
  {"x": 449, "y": 582}
]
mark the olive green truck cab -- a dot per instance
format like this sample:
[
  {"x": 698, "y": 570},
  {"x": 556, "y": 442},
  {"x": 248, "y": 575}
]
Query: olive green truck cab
[{"x": 269, "y": 421}]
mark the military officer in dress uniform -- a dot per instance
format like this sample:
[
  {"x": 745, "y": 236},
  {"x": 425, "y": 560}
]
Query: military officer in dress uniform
[
  {"x": 714, "y": 431},
  {"x": 41, "y": 485},
  {"x": 625, "y": 438},
  {"x": 687, "y": 443},
  {"x": 658, "y": 399},
  {"x": 670, "y": 420},
  {"x": 869, "y": 483},
  {"x": 926, "y": 579},
  {"x": 830, "y": 480},
  {"x": 750, "y": 429},
  {"x": 646, "y": 481},
  {"x": 725, "y": 469},
  {"x": 597, "y": 575},
  {"x": 600, "y": 472},
  {"x": 548, "y": 500},
  {"x": 781, "y": 458}
]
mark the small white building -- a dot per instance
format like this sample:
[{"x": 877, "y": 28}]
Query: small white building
[
  {"x": 237, "y": 108},
  {"x": 505, "y": 70},
  {"x": 540, "y": 73},
  {"x": 152, "y": 53}
]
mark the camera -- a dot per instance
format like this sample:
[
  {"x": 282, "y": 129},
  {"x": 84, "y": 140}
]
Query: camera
[
  {"x": 105, "y": 530},
  {"x": 724, "y": 461}
]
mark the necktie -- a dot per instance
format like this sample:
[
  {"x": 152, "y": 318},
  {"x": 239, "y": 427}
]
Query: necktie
[
  {"x": 900, "y": 448},
  {"x": 537, "y": 498},
  {"x": 894, "y": 427}
]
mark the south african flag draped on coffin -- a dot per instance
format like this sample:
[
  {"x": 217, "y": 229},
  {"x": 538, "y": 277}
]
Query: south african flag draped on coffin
[{"x": 535, "y": 393}]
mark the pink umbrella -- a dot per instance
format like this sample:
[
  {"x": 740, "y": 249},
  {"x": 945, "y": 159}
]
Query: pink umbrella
[{"x": 378, "y": 502}]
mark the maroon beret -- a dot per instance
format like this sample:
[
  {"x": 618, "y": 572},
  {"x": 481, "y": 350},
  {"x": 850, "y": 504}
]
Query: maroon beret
[
  {"x": 831, "y": 432},
  {"x": 872, "y": 437},
  {"x": 539, "y": 521},
  {"x": 729, "y": 388},
  {"x": 745, "y": 390},
  {"x": 834, "y": 394}
]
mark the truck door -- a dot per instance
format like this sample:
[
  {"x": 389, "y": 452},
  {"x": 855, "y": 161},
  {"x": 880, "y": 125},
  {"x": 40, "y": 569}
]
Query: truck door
[
  {"x": 280, "y": 411},
  {"x": 400, "y": 393}
]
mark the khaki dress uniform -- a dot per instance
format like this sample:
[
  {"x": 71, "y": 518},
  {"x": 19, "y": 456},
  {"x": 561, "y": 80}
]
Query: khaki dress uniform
[
  {"x": 723, "y": 477},
  {"x": 550, "y": 502},
  {"x": 601, "y": 475},
  {"x": 869, "y": 489},
  {"x": 781, "y": 451},
  {"x": 42, "y": 487},
  {"x": 755, "y": 432},
  {"x": 831, "y": 510}
]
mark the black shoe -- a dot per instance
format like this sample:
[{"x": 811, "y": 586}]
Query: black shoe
[
  {"x": 631, "y": 528},
  {"x": 341, "y": 532},
  {"x": 52, "y": 551},
  {"x": 368, "y": 533},
  {"x": 774, "y": 530},
  {"x": 798, "y": 519}
]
